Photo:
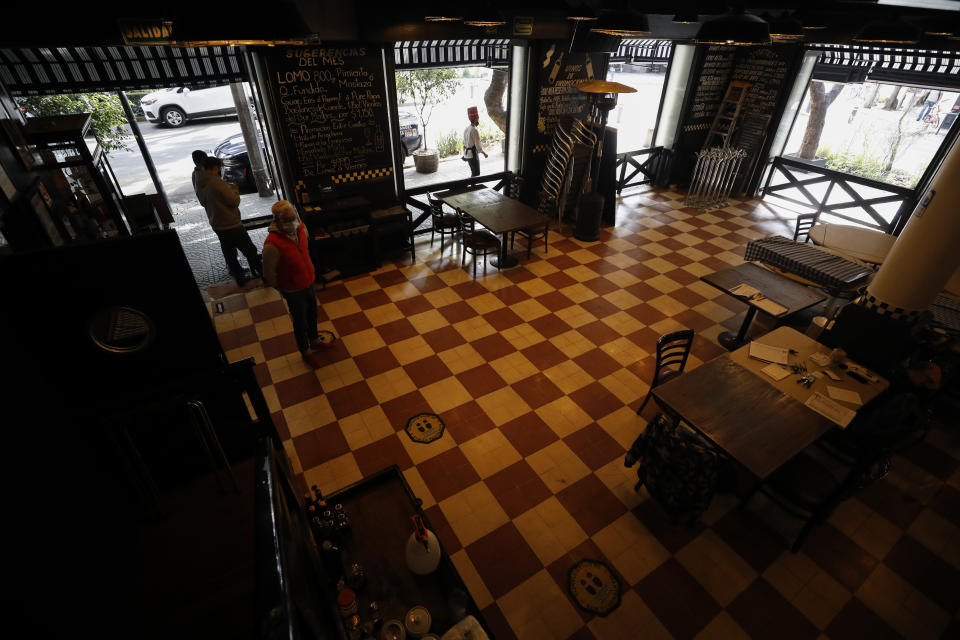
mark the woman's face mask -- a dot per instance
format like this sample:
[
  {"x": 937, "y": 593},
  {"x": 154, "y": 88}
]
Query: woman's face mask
[{"x": 289, "y": 226}]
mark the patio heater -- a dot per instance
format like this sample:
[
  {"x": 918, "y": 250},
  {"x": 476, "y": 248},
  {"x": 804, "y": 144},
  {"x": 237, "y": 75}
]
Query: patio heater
[{"x": 603, "y": 98}]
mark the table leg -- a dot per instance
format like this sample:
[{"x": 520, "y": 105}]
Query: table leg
[
  {"x": 730, "y": 341},
  {"x": 506, "y": 260}
]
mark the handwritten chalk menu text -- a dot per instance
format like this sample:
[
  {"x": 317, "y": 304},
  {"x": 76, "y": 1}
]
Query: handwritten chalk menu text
[
  {"x": 711, "y": 86},
  {"x": 560, "y": 73},
  {"x": 331, "y": 107}
]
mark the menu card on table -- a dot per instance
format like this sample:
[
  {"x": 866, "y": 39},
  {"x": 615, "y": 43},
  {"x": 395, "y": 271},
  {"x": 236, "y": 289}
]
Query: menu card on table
[
  {"x": 765, "y": 352},
  {"x": 830, "y": 409},
  {"x": 757, "y": 299}
]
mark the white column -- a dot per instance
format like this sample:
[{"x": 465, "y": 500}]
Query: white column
[{"x": 928, "y": 250}]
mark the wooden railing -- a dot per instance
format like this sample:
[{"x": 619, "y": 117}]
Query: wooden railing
[
  {"x": 643, "y": 162},
  {"x": 503, "y": 178},
  {"x": 801, "y": 176}
]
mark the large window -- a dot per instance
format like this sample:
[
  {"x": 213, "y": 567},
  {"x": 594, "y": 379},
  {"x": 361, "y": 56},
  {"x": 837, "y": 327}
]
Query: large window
[
  {"x": 432, "y": 106},
  {"x": 884, "y": 132},
  {"x": 635, "y": 115}
]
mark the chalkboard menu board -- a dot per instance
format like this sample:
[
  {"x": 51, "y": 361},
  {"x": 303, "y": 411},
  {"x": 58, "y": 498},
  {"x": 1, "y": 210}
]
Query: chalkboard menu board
[
  {"x": 331, "y": 107},
  {"x": 557, "y": 96},
  {"x": 766, "y": 70}
]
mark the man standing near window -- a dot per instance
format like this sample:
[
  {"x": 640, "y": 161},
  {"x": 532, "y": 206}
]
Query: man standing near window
[
  {"x": 929, "y": 103},
  {"x": 471, "y": 142}
]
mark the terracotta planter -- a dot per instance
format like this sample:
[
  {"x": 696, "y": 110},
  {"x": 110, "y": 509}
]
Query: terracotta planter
[{"x": 426, "y": 160}]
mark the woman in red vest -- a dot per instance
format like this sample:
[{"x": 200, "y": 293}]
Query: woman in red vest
[{"x": 287, "y": 267}]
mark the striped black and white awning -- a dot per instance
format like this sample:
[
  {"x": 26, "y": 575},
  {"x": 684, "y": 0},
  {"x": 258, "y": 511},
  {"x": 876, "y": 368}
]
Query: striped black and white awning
[
  {"x": 643, "y": 50},
  {"x": 44, "y": 70},
  {"x": 421, "y": 54},
  {"x": 907, "y": 66}
]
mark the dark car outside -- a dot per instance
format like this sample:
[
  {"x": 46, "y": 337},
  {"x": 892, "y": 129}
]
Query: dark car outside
[
  {"x": 409, "y": 132},
  {"x": 232, "y": 153}
]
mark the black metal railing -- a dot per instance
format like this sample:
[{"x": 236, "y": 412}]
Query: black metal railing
[
  {"x": 643, "y": 162},
  {"x": 503, "y": 178},
  {"x": 801, "y": 176}
]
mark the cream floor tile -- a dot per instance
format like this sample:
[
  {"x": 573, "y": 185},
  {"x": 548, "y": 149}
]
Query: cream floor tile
[
  {"x": 904, "y": 608},
  {"x": 622, "y": 279},
  {"x": 254, "y": 351},
  {"x": 461, "y": 358},
  {"x": 583, "y": 256},
  {"x": 667, "y": 305},
  {"x": 522, "y": 336},
  {"x": 503, "y": 405},
  {"x": 723, "y": 627},
  {"x": 627, "y": 620},
  {"x": 474, "y": 328},
  {"x": 366, "y": 427},
  {"x": 697, "y": 269},
  {"x": 717, "y": 567},
  {"x": 540, "y": 268},
  {"x": 490, "y": 452},
  {"x": 821, "y": 599},
  {"x": 572, "y": 344},
  {"x": 419, "y": 487},
  {"x": 333, "y": 474},
  {"x": 664, "y": 284},
  {"x": 442, "y": 297},
  {"x": 550, "y": 530},
  {"x": 363, "y": 284},
  {"x": 628, "y": 388},
  {"x": 563, "y": 416},
  {"x": 428, "y": 321},
  {"x": 291, "y": 452},
  {"x": 535, "y": 287},
  {"x": 363, "y": 341},
  {"x": 877, "y": 535},
  {"x": 513, "y": 368},
  {"x": 937, "y": 534},
  {"x": 621, "y": 480},
  {"x": 339, "y": 375},
  {"x": 308, "y": 415},
  {"x": 410, "y": 350},
  {"x": 270, "y": 395},
  {"x": 391, "y": 384},
  {"x": 714, "y": 311},
  {"x": 631, "y": 548},
  {"x": 537, "y": 608},
  {"x": 262, "y": 295},
  {"x": 581, "y": 273},
  {"x": 568, "y": 376},
  {"x": 401, "y": 291},
  {"x": 694, "y": 254},
  {"x": 575, "y": 315},
  {"x": 659, "y": 265},
  {"x": 624, "y": 351},
  {"x": 485, "y": 303},
  {"x": 652, "y": 235},
  {"x": 622, "y": 322},
  {"x": 445, "y": 395},
  {"x": 623, "y": 261},
  {"x": 341, "y": 308},
  {"x": 578, "y": 292},
  {"x": 623, "y": 425},
  {"x": 473, "y": 513},
  {"x": 529, "y": 309},
  {"x": 420, "y": 452},
  {"x": 558, "y": 466},
  {"x": 453, "y": 277},
  {"x": 468, "y": 572}
]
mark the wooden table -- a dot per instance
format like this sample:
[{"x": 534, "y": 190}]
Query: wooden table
[
  {"x": 759, "y": 422},
  {"x": 498, "y": 213},
  {"x": 784, "y": 291}
]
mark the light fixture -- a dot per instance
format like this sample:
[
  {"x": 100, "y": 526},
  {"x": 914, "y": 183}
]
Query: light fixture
[
  {"x": 686, "y": 17},
  {"x": 810, "y": 19},
  {"x": 581, "y": 13},
  {"x": 786, "y": 28},
  {"x": 888, "y": 30},
  {"x": 734, "y": 28},
  {"x": 435, "y": 17},
  {"x": 623, "y": 23},
  {"x": 440, "y": 12},
  {"x": 486, "y": 17}
]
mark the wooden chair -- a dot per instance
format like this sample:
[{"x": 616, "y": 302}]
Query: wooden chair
[
  {"x": 514, "y": 188},
  {"x": 545, "y": 205},
  {"x": 672, "y": 352},
  {"x": 476, "y": 243},
  {"x": 444, "y": 223},
  {"x": 805, "y": 222}
]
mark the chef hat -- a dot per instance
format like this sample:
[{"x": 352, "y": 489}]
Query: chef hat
[{"x": 472, "y": 113}]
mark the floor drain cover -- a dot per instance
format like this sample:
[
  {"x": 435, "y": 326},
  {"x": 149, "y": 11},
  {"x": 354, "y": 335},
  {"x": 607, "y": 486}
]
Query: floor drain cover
[
  {"x": 424, "y": 427},
  {"x": 594, "y": 587}
]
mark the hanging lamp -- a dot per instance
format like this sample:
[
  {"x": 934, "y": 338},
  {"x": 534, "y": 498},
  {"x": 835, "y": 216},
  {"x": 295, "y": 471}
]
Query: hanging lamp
[{"x": 736, "y": 27}]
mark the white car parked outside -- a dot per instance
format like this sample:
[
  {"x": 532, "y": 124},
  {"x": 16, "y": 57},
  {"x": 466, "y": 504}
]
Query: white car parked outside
[{"x": 174, "y": 106}]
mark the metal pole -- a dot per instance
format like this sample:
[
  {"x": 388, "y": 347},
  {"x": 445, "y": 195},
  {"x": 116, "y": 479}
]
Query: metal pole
[
  {"x": 249, "y": 131},
  {"x": 147, "y": 159}
]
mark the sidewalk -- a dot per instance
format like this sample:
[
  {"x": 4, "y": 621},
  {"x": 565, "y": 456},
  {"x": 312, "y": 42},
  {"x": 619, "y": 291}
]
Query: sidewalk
[{"x": 452, "y": 168}]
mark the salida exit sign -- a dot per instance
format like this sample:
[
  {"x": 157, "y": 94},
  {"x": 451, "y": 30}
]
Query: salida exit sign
[{"x": 146, "y": 31}]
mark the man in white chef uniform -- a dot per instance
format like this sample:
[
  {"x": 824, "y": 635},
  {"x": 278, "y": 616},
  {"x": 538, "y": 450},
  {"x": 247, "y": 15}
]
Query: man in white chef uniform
[{"x": 471, "y": 142}]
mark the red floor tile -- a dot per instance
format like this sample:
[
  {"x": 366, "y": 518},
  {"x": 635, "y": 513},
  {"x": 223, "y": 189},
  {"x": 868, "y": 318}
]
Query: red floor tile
[
  {"x": 857, "y": 622},
  {"x": 889, "y": 502},
  {"x": 555, "y": 301},
  {"x": 469, "y": 289},
  {"x": 238, "y": 337},
  {"x": 389, "y": 278},
  {"x": 682, "y": 605},
  {"x": 429, "y": 283},
  {"x": 426, "y": 371},
  {"x": 932, "y": 459},
  {"x": 278, "y": 346},
  {"x": 413, "y": 306},
  {"x": 597, "y": 363},
  {"x": 595, "y": 400},
  {"x": 598, "y": 333},
  {"x": 439, "y": 525},
  {"x": 396, "y": 331},
  {"x": 528, "y": 433},
  {"x": 503, "y": 559},
  {"x": 926, "y": 571},
  {"x": 457, "y": 312},
  {"x": 272, "y": 309},
  {"x": 559, "y": 570},
  {"x": 518, "y": 488},
  {"x": 594, "y": 446},
  {"x": 511, "y": 295},
  {"x": 750, "y": 538},
  {"x": 481, "y": 380},
  {"x": 298, "y": 388},
  {"x": 332, "y": 293},
  {"x": 558, "y": 280},
  {"x": 600, "y": 307},
  {"x": 381, "y": 454},
  {"x": 591, "y": 504},
  {"x": 404, "y": 407},
  {"x": 694, "y": 320},
  {"x": 351, "y": 399},
  {"x": 372, "y": 299},
  {"x": 492, "y": 347},
  {"x": 447, "y": 473},
  {"x": 549, "y": 326},
  {"x": 602, "y": 267},
  {"x": 376, "y": 362},
  {"x": 544, "y": 355},
  {"x": 537, "y": 390},
  {"x": 467, "y": 421},
  {"x": 353, "y": 323},
  {"x": 947, "y": 504},
  {"x": 672, "y": 536},
  {"x": 502, "y": 319},
  {"x": 498, "y": 623},
  {"x": 280, "y": 422},
  {"x": 320, "y": 445},
  {"x": 763, "y": 613},
  {"x": 839, "y": 556}
]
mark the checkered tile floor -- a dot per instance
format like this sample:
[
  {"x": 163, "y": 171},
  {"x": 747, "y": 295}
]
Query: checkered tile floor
[{"x": 536, "y": 372}]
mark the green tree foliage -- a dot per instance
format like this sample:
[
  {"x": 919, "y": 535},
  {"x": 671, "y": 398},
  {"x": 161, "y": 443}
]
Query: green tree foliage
[
  {"x": 426, "y": 88},
  {"x": 107, "y": 114}
]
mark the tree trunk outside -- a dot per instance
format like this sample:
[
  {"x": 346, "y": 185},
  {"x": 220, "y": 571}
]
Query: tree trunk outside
[
  {"x": 249, "y": 131},
  {"x": 819, "y": 102},
  {"x": 493, "y": 99},
  {"x": 871, "y": 98},
  {"x": 895, "y": 147},
  {"x": 891, "y": 102}
]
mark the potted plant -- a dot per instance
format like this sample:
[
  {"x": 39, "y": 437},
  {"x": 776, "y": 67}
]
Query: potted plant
[{"x": 425, "y": 88}]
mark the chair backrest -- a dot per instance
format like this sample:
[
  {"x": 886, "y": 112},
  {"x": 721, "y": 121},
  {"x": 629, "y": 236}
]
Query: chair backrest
[
  {"x": 466, "y": 221},
  {"x": 673, "y": 349},
  {"x": 436, "y": 206},
  {"x": 546, "y": 203},
  {"x": 515, "y": 188},
  {"x": 805, "y": 222}
]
